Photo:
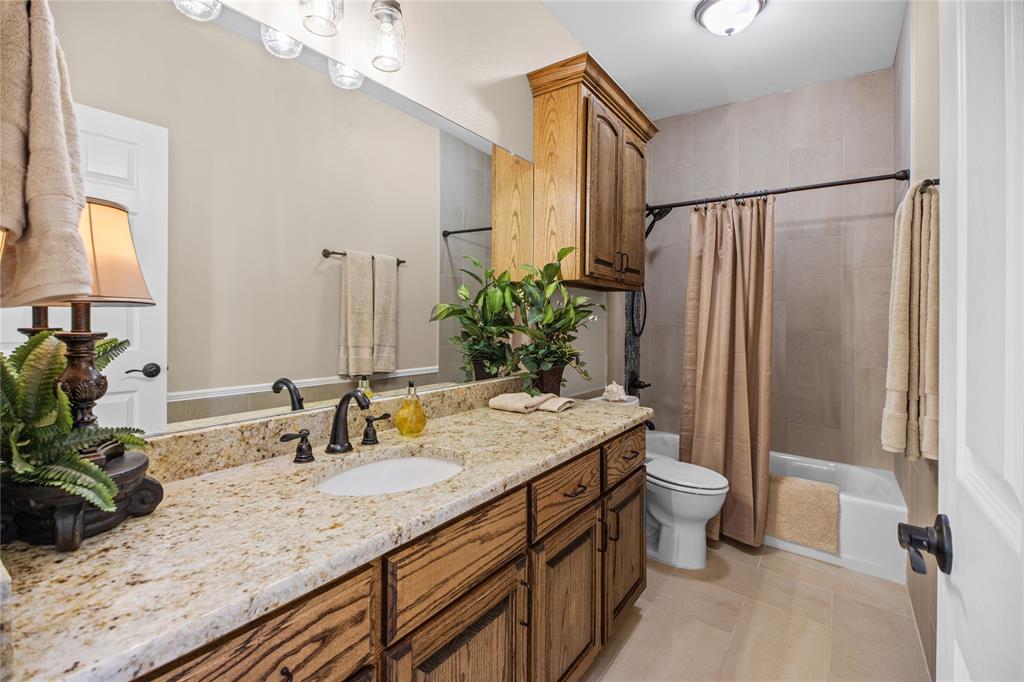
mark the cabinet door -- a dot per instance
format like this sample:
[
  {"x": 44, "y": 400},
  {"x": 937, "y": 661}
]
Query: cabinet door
[
  {"x": 633, "y": 206},
  {"x": 625, "y": 562},
  {"x": 565, "y": 575},
  {"x": 483, "y": 636},
  {"x": 604, "y": 141}
]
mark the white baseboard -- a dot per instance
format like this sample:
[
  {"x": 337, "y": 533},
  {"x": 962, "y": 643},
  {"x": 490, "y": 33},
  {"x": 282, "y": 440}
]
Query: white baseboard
[{"x": 224, "y": 391}]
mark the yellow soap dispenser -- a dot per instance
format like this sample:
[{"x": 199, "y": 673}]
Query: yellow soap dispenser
[{"x": 411, "y": 419}]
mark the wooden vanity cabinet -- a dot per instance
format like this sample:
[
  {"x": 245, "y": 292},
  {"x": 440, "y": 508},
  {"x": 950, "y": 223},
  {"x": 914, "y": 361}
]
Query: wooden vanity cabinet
[
  {"x": 333, "y": 633},
  {"x": 589, "y": 177},
  {"x": 483, "y": 636},
  {"x": 625, "y": 561},
  {"x": 565, "y": 580}
]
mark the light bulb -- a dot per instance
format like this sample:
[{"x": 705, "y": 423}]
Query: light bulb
[
  {"x": 200, "y": 10},
  {"x": 280, "y": 44},
  {"x": 727, "y": 17},
  {"x": 343, "y": 75},
  {"x": 322, "y": 17},
  {"x": 385, "y": 35}
]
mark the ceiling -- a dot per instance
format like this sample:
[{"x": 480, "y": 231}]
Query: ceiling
[{"x": 671, "y": 65}]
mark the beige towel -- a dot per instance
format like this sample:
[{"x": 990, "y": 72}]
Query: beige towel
[
  {"x": 355, "y": 354},
  {"x": 518, "y": 402},
  {"x": 909, "y": 418},
  {"x": 385, "y": 312},
  {"x": 555, "y": 403},
  {"x": 40, "y": 180}
]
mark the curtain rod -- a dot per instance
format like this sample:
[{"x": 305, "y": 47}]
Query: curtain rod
[
  {"x": 448, "y": 233},
  {"x": 659, "y": 211}
]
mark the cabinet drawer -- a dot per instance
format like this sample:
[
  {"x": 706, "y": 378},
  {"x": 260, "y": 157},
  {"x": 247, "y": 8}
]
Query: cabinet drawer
[
  {"x": 329, "y": 634},
  {"x": 427, "y": 575},
  {"x": 557, "y": 495},
  {"x": 623, "y": 454}
]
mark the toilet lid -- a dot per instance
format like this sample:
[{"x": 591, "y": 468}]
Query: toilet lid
[{"x": 686, "y": 475}]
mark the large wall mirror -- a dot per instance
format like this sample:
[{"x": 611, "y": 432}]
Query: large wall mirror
[{"x": 238, "y": 169}]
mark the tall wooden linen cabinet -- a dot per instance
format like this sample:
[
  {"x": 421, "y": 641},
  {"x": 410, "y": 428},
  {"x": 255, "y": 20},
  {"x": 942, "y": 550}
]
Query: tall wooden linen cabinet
[{"x": 589, "y": 180}]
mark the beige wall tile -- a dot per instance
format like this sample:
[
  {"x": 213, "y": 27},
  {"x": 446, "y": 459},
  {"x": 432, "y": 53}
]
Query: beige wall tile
[
  {"x": 764, "y": 154},
  {"x": 779, "y": 326},
  {"x": 868, "y": 224},
  {"x": 772, "y": 644},
  {"x": 661, "y": 363},
  {"x": 868, "y": 398},
  {"x": 867, "y": 297},
  {"x": 778, "y": 441},
  {"x": 814, "y": 381},
  {"x": 869, "y": 643},
  {"x": 666, "y": 284},
  {"x": 716, "y": 149},
  {"x": 814, "y": 285},
  {"x": 819, "y": 442},
  {"x": 816, "y": 114},
  {"x": 868, "y": 129}
]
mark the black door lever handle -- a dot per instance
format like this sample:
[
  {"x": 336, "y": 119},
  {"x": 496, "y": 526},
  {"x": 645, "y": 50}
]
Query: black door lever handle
[
  {"x": 149, "y": 370},
  {"x": 936, "y": 540}
]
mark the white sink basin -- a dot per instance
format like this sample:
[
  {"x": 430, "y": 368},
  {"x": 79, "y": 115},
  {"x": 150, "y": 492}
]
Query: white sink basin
[{"x": 390, "y": 476}]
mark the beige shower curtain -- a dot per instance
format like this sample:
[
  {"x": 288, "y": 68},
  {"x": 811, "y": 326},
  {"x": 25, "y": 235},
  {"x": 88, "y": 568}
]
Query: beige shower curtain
[{"x": 727, "y": 358}]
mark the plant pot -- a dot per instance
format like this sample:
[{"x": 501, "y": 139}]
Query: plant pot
[
  {"x": 549, "y": 380},
  {"x": 45, "y": 515},
  {"x": 480, "y": 371}
]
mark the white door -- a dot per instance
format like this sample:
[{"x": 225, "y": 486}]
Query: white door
[
  {"x": 981, "y": 468},
  {"x": 125, "y": 161}
]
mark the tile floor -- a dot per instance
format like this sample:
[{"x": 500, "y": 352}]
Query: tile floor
[{"x": 764, "y": 615}]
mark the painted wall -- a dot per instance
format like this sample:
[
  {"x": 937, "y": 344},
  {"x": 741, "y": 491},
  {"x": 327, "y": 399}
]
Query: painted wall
[
  {"x": 832, "y": 255},
  {"x": 467, "y": 61},
  {"x": 269, "y": 164},
  {"x": 917, "y": 148}
]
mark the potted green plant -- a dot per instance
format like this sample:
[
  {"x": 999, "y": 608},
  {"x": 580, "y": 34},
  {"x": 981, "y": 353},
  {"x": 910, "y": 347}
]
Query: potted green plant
[
  {"x": 486, "y": 321},
  {"x": 551, "y": 317},
  {"x": 46, "y": 479}
]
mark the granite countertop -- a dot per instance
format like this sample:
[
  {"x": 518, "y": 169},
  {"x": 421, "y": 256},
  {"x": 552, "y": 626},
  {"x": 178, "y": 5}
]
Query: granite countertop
[{"x": 226, "y": 547}]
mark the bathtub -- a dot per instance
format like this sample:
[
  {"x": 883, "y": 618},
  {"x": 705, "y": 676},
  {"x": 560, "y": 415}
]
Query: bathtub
[{"x": 870, "y": 506}]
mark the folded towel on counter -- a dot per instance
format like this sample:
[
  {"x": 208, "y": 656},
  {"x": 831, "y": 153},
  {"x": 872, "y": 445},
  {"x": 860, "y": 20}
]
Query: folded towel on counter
[
  {"x": 41, "y": 195},
  {"x": 525, "y": 403},
  {"x": 355, "y": 354},
  {"x": 556, "y": 403},
  {"x": 385, "y": 312}
]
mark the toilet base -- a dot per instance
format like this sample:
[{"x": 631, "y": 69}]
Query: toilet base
[{"x": 683, "y": 545}]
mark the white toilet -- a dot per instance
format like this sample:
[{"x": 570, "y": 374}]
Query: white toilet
[{"x": 681, "y": 499}]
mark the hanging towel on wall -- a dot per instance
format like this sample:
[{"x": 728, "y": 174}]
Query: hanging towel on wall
[
  {"x": 385, "y": 312},
  {"x": 41, "y": 196},
  {"x": 910, "y": 415},
  {"x": 355, "y": 354}
]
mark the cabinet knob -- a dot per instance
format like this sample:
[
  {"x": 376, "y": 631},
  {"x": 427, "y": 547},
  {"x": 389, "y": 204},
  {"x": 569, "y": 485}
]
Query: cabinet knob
[{"x": 286, "y": 674}]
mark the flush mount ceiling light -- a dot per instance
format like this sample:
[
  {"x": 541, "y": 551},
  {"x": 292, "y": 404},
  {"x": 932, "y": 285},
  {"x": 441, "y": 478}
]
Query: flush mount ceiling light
[
  {"x": 727, "y": 17},
  {"x": 343, "y": 75},
  {"x": 322, "y": 17},
  {"x": 280, "y": 44},
  {"x": 200, "y": 10},
  {"x": 385, "y": 35}
]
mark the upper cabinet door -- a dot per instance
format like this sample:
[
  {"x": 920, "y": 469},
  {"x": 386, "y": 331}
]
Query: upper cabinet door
[
  {"x": 634, "y": 204},
  {"x": 604, "y": 141}
]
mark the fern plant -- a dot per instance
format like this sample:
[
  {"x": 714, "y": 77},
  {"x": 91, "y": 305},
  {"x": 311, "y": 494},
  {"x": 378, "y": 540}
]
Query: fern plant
[{"x": 38, "y": 445}]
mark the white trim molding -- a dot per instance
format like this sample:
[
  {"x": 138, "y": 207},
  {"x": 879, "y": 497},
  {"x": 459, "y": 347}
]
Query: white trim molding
[{"x": 224, "y": 391}]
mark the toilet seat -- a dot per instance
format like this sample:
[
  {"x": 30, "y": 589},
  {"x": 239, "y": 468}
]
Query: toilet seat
[{"x": 685, "y": 477}]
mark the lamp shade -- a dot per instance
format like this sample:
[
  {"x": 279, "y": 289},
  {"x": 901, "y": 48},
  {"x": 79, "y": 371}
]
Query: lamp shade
[{"x": 116, "y": 274}]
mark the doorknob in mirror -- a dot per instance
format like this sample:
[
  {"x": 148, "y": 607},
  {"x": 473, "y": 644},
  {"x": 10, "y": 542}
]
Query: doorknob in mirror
[
  {"x": 936, "y": 540},
  {"x": 149, "y": 370}
]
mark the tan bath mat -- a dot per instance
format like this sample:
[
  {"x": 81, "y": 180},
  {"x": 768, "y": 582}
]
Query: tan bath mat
[{"x": 805, "y": 512}]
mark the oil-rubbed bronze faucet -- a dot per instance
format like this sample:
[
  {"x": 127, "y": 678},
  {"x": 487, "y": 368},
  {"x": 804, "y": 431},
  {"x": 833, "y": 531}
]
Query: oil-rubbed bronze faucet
[
  {"x": 293, "y": 392},
  {"x": 339, "y": 432}
]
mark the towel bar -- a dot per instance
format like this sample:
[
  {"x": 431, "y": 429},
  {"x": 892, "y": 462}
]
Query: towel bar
[{"x": 327, "y": 253}]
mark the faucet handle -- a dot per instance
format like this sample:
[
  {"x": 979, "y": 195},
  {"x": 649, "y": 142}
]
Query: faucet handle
[
  {"x": 303, "y": 451},
  {"x": 370, "y": 432}
]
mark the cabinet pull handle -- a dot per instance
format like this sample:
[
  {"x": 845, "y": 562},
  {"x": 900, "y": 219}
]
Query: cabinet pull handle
[
  {"x": 633, "y": 454},
  {"x": 286, "y": 674},
  {"x": 529, "y": 604},
  {"x": 577, "y": 491},
  {"x": 618, "y": 523},
  {"x": 604, "y": 537}
]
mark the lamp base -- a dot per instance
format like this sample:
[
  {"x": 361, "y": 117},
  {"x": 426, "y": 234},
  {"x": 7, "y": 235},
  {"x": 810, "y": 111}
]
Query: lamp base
[
  {"x": 81, "y": 380},
  {"x": 43, "y": 515}
]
